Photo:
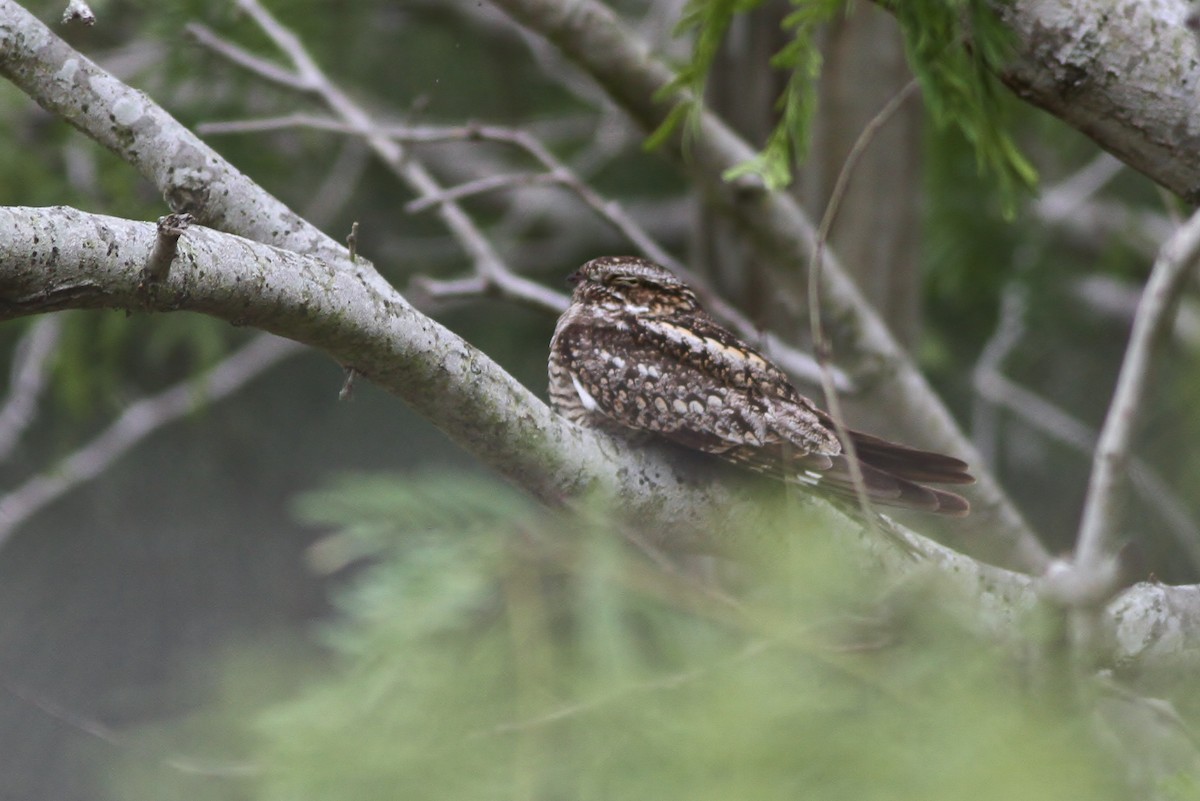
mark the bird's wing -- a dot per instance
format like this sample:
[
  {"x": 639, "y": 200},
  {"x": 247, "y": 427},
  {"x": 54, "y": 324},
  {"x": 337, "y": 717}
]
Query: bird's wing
[
  {"x": 702, "y": 388},
  {"x": 699, "y": 387}
]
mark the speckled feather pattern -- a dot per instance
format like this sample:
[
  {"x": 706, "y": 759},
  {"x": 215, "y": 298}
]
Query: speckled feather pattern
[{"x": 635, "y": 353}]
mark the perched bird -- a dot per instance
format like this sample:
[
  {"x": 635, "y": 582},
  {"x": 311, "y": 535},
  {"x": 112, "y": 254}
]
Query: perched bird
[{"x": 635, "y": 352}]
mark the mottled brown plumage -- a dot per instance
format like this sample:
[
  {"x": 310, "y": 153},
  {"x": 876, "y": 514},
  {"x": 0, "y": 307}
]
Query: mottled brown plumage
[{"x": 635, "y": 352}]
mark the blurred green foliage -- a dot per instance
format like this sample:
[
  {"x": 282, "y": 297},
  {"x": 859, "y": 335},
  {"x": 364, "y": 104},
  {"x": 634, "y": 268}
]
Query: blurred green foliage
[{"x": 488, "y": 648}]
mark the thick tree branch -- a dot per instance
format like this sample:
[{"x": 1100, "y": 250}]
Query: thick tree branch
[
  {"x": 591, "y": 36},
  {"x": 1124, "y": 72},
  {"x": 96, "y": 262},
  {"x": 503, "y": 280},
  {"x": 191, "y": 175},
  {"x": 61, "y": 258}
]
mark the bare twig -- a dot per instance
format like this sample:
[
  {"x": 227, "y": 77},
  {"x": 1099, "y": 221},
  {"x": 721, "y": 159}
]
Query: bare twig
[
  {"x": 1061, "y": 200},
  {"x": 105, "y": 733},
  {"x": 480, "y": 186},
  {"x": 609, "y": 210},
  {"x": 996, "y": 390},
  {"x": 820, "y": 342},
  {"x": 141, "y": 418},
  {"x": 1051, "y": 420},
  {"x": 283, "y": 122},
  {"x": 339, "y": 186},
  {"x": 1094, "y": 545},
  {"x": 247, "y": 60},
  {"x": 346, "y": 393},
  {"x": 474, "y": 286},
  {"x": 77, "y": 11},
  {"x": 352, "y": 241},
  {"x": 158, "y": 264},
  {"x": 1118, "y": 298},
  {"x": 307, "y": 76},
  {"x": 1072, "y": 204},
  {"x": 1010, "y": 327},
  {"x": 790, "y": 358},
  {"x": 31, "y": 363}
]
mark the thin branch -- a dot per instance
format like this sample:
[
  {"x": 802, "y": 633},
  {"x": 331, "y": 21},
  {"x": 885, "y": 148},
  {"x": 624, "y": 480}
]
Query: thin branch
[
  {"x": 31, "y": 363},
  {"x": 1094, "y": 545},
  {"x": 101, "y": 731},
  {"x": 284, "y": 122},
  {"x": 790, "y": 358},
  {"x": 1064, "y": 198},
  {"x": 820, "y": 342},
  {"x": 608, "y": 210},
  {"x": 1051, "y": 420},
  {"x": 472, "y": 287},
  {"x": 1073, "y": 205},
  {"x": 340, "y": 184},
  {"x": 135, "y": 423},
  {"x": 1118, "y": 299},
  {"x": 1010, "y": 327},
  {"x": 310, "y": 76},
  {"x": 996, "y": 390},
  {"x": 491, "y": 183},
  {"x": 247, "y": 60}
]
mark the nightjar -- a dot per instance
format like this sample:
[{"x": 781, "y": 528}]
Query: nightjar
[{"x": 635, "y": 353}]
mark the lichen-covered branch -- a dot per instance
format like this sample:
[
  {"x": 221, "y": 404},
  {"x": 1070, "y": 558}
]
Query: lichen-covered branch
[
  {"x": 97, "y": 261},
  {"x": 60, "y": 258},
  {"x": 1124, "y": 72},
  {"x": 191, "y": 176}
]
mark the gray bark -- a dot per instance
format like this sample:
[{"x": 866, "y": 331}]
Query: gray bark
[
  {"x": 52, "y": 259},
  {"x": 1124, "y": 72}
]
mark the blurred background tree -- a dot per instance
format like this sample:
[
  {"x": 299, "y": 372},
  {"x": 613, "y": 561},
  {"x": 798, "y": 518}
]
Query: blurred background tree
[{"x": 179, "y": 588}]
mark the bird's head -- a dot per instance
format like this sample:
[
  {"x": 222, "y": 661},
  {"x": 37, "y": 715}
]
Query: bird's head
[{"x": 632, "y": 285}]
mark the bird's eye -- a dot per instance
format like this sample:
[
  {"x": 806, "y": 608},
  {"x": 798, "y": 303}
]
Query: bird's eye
[{"x": 623, "y": 280}]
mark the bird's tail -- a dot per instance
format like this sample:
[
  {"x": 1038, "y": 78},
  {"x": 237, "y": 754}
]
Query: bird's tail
[{"x": 895, "y": 475}]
